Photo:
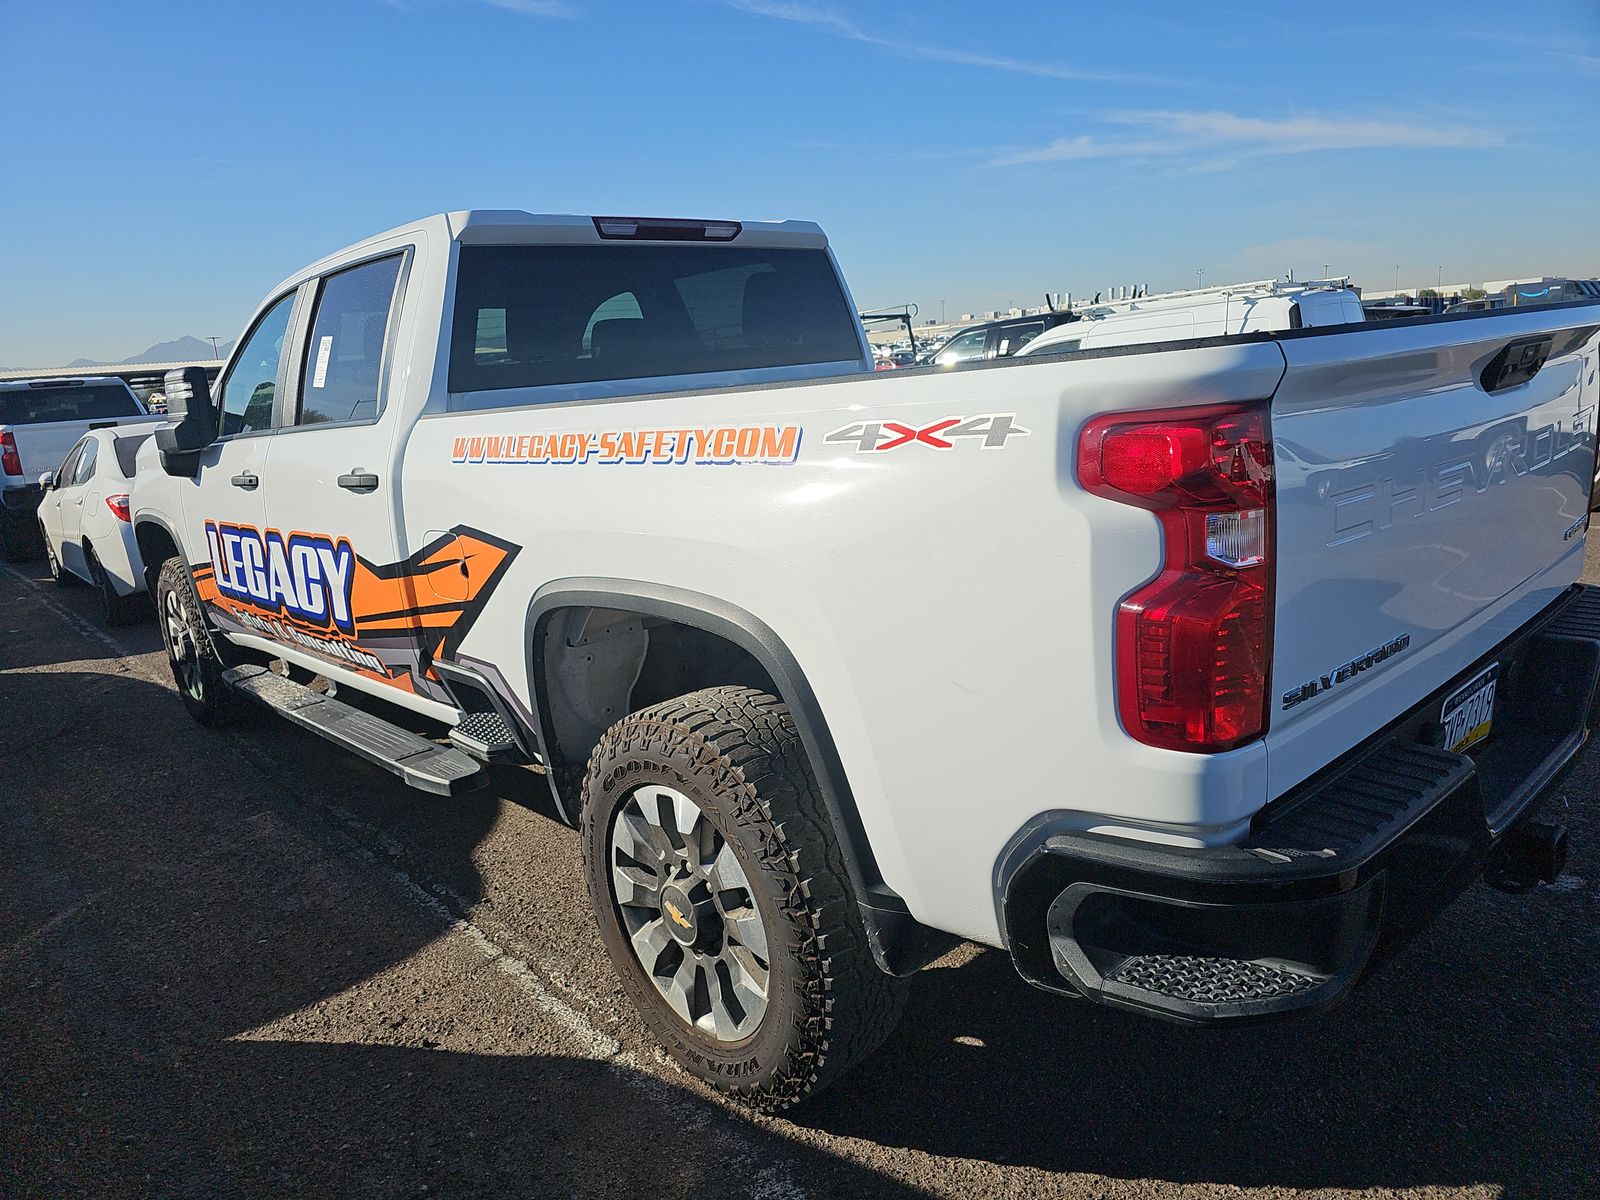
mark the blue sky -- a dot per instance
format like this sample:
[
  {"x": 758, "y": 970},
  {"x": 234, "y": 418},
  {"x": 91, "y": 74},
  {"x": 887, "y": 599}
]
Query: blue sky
[{"x": 166, "y": 163}]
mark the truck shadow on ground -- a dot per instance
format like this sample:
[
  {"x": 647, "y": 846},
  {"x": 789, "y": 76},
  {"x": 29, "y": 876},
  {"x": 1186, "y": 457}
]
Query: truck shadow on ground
[
  {"x": 1470, "y": 1059},
  {"x": 208, "y": 994},
  {"x": 187, "y": 961}
]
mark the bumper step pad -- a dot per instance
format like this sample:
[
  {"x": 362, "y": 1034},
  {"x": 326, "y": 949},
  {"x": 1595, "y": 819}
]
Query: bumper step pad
[
  {"x": 486, "y": 736},
  {"x": 422, "y": 764},
  {"x": 1211, "y": 980}
]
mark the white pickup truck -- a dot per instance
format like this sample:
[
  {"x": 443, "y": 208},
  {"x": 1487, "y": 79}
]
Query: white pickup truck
[
  {"x": 1193, "y": 675},
  {"x": 40, "y": 420}
]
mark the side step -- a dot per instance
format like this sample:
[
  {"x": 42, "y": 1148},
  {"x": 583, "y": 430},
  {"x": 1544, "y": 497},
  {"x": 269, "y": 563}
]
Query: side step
[
  {"x": 487, "y": 737},
  {"x": 422, "y": 764}
]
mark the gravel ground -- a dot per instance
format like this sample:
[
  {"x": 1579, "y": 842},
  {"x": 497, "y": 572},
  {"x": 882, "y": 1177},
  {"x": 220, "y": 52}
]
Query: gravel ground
[{"x": 239, "y": 963}]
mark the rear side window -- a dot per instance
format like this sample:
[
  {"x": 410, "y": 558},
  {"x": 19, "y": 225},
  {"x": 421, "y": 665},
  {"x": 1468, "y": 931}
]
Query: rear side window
[
  {"x": 343, "y": 379},
  {"x": 86, "y": 461},
  {"x": 529, "y": 316},
  {"x": 77, "y": 402},
  {"x": 128, "y": 452}
]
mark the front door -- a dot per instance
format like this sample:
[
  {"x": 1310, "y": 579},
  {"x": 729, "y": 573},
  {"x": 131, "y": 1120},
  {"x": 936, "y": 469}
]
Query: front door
[{"x": 224, "y": 508}]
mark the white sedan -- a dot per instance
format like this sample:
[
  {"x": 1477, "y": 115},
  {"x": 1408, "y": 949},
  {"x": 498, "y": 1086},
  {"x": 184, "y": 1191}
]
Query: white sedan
[{"x": 84, "y": 518}]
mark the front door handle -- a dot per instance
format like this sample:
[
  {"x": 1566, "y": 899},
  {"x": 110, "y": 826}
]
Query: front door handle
[
  {"x": 358, "y": 481},
  {"x": 249, "y": 481}
]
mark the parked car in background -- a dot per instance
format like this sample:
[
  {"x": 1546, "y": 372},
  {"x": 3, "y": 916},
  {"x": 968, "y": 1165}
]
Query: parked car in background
[
  {"x": 992, "y": 339},
  {"x": 40, "y": 420},
  {"x": 1221, "y": 311},
  {"x": 84, "y": 521}
]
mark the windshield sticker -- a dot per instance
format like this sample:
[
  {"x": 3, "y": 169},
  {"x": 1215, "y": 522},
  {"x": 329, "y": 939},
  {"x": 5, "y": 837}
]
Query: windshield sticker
[
  {"x": 989, "y": 432},
  {"x": 766, "y": 445}
]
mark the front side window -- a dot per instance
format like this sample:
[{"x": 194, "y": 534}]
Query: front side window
[
  {"x": 69, "y": 465},
  {"x": 967, "y": 348},
  {"x": 251, "y": 388},
  {"x": 343, "y": 374},
  {"x": 530, "y": 316}
]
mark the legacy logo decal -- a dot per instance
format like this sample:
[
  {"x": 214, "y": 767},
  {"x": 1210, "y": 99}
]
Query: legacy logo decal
[
  {"x": 307, "y": 576},
  {"x": 718, "y": 445},
  {"x": 389, "y": 621},
  {"x": 991, "y": 432}
]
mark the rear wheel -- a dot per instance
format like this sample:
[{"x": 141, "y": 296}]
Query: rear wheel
[
  {"x": 114, "y": 609},
  {"x": 196, "y": 664},
  {"x": 722, "y": 900}
]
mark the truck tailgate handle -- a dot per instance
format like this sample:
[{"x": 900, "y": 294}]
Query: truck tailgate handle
[
  {"x": 249, "y": 481},
  {"x": 359, "y": 481}
]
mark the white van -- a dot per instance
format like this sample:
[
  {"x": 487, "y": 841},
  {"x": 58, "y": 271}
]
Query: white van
[{"x": 1208, "y": 312}]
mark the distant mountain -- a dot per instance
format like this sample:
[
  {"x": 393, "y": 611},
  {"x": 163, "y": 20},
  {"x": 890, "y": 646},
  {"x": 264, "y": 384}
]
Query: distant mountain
[{"x": 182, "y": 349}]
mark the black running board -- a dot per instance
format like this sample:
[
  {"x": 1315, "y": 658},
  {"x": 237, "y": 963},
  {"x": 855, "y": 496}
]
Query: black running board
[{"x": 422, "y": 764}]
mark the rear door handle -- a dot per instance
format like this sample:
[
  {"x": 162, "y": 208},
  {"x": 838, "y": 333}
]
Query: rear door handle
[
  {"x": 249, "y": 481},
  {"x": 358, "y": 481}
]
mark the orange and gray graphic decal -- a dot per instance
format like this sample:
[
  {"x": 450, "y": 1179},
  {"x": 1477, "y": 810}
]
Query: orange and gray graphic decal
[{"x": 388, "y": 622}]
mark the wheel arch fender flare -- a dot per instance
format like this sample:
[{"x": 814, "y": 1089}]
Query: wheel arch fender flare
[{"x": 899, "y": 942}]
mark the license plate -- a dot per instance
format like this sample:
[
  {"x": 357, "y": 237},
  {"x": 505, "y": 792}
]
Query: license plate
[{"x": 1469, "y": 712}]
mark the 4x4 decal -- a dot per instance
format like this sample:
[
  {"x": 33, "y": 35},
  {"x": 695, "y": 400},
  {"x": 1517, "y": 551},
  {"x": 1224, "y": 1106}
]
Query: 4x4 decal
[
  {"x": 384, "y": 620},
  {"x": 991, "y": 431}
]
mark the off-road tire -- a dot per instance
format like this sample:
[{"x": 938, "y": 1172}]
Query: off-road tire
[
  {"x": 208, "y": 699},
  {"x": 735, "y": 752},
  {"x": 115, "y": 610}
]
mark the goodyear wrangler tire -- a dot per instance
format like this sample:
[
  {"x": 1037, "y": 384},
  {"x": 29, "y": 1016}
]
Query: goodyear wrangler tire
[
  {"x": 722, "y": 901},
  {"x": 196, "y": 663}
]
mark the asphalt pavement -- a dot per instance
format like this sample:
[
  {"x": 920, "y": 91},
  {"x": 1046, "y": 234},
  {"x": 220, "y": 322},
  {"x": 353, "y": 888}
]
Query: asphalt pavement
[{"x": 241, "y": 963}]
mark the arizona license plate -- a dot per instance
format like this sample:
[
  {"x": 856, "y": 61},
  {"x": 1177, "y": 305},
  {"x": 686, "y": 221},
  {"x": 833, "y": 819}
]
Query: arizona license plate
[{"x": 1469, "y": 712}]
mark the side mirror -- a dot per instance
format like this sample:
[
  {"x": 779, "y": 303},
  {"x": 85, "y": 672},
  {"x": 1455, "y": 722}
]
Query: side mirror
[
  {"x": 47, "y": 482},
  {"x": 193, "y": 426}
]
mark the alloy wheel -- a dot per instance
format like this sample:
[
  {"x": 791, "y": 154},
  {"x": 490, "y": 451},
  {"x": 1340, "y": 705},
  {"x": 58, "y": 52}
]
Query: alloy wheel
[{"x": 689, "y": 912}]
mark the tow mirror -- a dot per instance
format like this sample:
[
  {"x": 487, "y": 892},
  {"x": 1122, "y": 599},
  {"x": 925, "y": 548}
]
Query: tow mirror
[
  {"x": 193, "y": 421},
  {"x": 47, "y": 482}
]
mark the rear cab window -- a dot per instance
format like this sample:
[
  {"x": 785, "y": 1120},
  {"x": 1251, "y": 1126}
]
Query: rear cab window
[
  {"x": 75, "y": 402},
  {"x": 543, "y": 316}
]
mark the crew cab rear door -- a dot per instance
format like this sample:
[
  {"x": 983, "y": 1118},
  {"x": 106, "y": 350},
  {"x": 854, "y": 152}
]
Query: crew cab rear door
[{"x": 1433, "y": 489}]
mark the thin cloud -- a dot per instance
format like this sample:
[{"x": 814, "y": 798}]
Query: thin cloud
[
  {"x": 841, "y": 26},
  {"x": 1169, "y": 134},
  {"x": 534, "y": 8}
]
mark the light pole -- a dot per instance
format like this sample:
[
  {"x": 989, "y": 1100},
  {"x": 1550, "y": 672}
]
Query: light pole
[
  {"x": 1438, "y": 284},
  {"x": 1397, "y": 281},
  {"x": 941, "y": 312},
  {"x": 215, "y": 353}
]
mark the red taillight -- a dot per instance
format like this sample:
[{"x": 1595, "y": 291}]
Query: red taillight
[
  {"x": 1194, "y": 645},
  {"x": 10, "y": 460},
  {"x": 119, "y": 505}
]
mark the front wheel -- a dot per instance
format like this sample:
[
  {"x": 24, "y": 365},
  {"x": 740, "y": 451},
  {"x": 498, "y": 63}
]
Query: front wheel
[
  {"x": 722, "y": 901},
  {"x": 61, "y": 578},
  {"x": 196, "y": 664}
]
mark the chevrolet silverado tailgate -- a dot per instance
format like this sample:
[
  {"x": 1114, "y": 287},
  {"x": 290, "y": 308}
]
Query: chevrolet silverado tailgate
[{"x": 1433, "y": 486}]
